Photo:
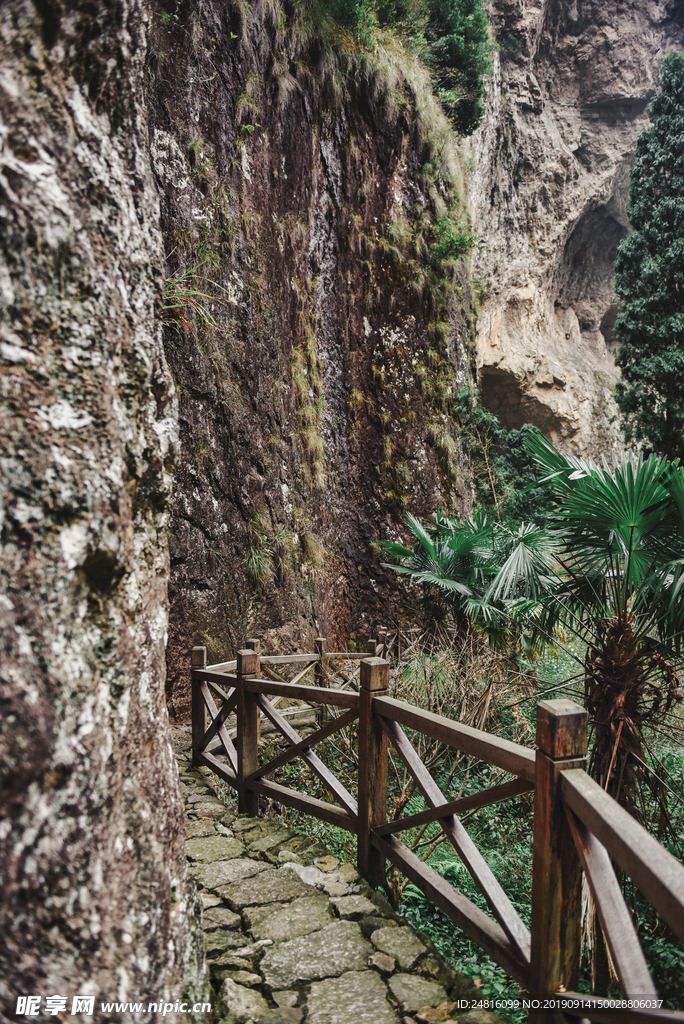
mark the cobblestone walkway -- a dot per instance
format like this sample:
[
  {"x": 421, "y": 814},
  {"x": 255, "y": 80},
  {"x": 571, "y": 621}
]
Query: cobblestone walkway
[{"x": 293, "y": 936}]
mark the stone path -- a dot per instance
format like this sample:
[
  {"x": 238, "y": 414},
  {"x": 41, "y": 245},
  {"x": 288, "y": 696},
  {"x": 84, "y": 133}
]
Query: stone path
[{"x": 293, "y": 936}]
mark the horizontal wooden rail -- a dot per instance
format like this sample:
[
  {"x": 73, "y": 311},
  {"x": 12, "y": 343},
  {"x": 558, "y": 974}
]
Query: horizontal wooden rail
[
  {"x": 214, "y": 677},
  {"x": 287, "y": 659},
  {"x": 651, "y": 867},
  {"x": 511, "y": 757},
  {"x": 308, "y": 804},
  {"x": 223, "y": 666},
  {"x": 351, "y": 656},
  {"x": 317, "y": 694}
]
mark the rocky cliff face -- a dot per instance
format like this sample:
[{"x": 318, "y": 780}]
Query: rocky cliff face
[
  {"x": 300, "y": 182},
  {"x": 91, "y": 834},
  {"x": 549, "y": 190}
]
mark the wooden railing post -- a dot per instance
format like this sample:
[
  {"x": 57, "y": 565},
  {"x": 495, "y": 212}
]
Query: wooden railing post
[
  {"x": 255, "y": 645},
  {"x": 371, "y": 647},
  {"x": 198, "y": 659},
  {"x": 556, "y": 871},
  {"x": 321, "y": 674},
  {"x": 372, "y": 769},
  {"x": 247, "y": 731},
  {"x": 382, "y": 641}
]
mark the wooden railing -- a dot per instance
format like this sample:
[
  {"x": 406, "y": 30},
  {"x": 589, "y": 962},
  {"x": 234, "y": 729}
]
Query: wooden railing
[{"x": 577, "y": 826}]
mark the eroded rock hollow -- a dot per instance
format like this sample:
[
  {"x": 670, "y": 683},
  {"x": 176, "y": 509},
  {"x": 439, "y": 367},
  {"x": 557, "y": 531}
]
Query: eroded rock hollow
[{"x": 549, "y": 189}]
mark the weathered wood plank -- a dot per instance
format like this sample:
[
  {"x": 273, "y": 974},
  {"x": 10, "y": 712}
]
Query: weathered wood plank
[
  {"x": 223, "y": 666},
  {"x": 651, "y": 867},
  {"x": 332, "y": 784},
  {"x": 372, "y": 770},
  {"x": 225, "y": 739},
  {"x": 511, "y": 757},
  {"x": 313, "y": 694},
  {"x": 347, "y": 656},
  {"x": 473, "y": 921},
  {"x": 287, "y": 659},
  {"x": 304, "y": 802},
  {"x": 218, "y": 690},
  {"x": 556, "y": 869},
  {"x": 304, "y": 745},
  {"x": 300, "y": 675},
  {"x": 215, "y": 677},
  {"x": 625, "y": 951},
  {"x": 505, "y": 791},
  {"x": 219, "y": 719},
  {"x": 496, "y": 898},
  {"x": 247, "y": 730},
  {"x": 198, "y": 660}
]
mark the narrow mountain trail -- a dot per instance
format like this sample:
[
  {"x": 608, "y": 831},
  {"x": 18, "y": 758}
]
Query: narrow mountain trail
[{"x": 294, "y": 936}]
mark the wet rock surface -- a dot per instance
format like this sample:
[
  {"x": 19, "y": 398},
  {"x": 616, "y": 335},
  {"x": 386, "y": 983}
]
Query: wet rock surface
[{"x": 283, "y": 948}]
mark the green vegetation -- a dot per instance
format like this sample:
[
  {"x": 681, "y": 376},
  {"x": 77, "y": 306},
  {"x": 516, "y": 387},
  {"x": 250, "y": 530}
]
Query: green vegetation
[
  {"x": 606, "y": 571},
  {"x": 182, "y": 298},
  {"x": 504, "y": 474},
  {"x": 649, "y": 277},
  {"x": 452, "y": 37}
]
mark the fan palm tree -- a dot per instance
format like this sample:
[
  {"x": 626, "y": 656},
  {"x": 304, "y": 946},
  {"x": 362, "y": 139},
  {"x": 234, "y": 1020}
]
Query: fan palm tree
[
  {"x": 608, "y": 570},
  {"x": 618, "y": 587}
]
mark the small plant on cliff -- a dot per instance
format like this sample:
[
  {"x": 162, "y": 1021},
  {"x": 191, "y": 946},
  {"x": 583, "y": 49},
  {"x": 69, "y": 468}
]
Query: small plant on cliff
[
  {"x": 452, "y": 240},
  {"x": 649, "y": 277},
  {"x": 181, "y": 297}
]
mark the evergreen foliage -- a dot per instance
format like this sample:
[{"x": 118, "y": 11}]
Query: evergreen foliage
[
  {"x": 505, "y": 475},
  {"x": 649, "y": 277},
  {"x": 460, "y": 49}
]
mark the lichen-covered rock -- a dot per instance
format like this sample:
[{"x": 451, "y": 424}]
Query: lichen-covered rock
[
  {"x": 401, "y": 943},
  {"x": 353, "y": 907},
  {"x": 91, "y": 836},
  {"x": 220, "y": 917},
  {"x": 268, "y": 886},
  {"x": 213, "y": 848},
  {"x": 223, "y": 873},
  {"x": 241, "y": 1002}
]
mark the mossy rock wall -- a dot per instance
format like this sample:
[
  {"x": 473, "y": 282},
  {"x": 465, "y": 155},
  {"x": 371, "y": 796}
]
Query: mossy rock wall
[{"x": 304, "y": 178}]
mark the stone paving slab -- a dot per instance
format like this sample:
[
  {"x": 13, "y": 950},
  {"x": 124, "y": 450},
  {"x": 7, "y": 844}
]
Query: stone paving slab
[
  {"x": 335, "y": 949},
  {"x": 292, "y": 936},
  {"x": 283, "y": 921},
  {"x": 360, "y": 998}
]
